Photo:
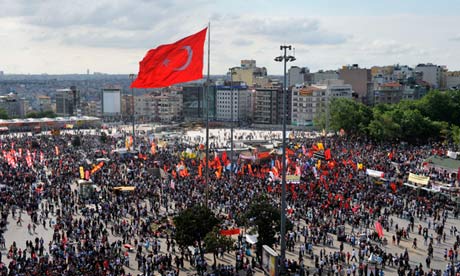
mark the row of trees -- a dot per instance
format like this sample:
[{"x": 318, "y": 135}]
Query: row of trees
[
  {"x": 40, "y": 114},
  {"x": 435, "y": 116},
  {"x": 198, "y": 226}
]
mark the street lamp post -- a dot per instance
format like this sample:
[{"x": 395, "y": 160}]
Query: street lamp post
[
  {"x": 131, "y": 76},
  {"x": 284, "y": 58},
  {"x": 231, "y": 124}
]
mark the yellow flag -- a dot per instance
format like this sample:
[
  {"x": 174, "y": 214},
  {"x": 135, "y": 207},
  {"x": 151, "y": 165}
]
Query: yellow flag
[
  {"x": 320, "y": 146},
  {"x": 82, "y": 172}
]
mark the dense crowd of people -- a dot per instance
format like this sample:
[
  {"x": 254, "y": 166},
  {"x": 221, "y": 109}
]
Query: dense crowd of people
[{"x": 103, "y": 231}]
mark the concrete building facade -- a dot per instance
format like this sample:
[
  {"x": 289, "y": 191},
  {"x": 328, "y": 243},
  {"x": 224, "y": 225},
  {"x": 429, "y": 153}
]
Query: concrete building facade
[
  {"x": 266, "y": 105},
  {"x": 68, "y": 102},
  {"x": 360, "y": 80},
  {"x": 321, "y": 76},
  {"x": 431, "y": 73},
  {"x": 453, "y": 80},
  {"x": 309, "y": 102},
  {"x": 388, "y": 93},
  {"x": 14, "y": 106},
  {"x": 239, "y": 97},
  {"x": 44, "y": 103},
  {"x": 249, "y": 73},
  {"x": 297, "y": 75}
]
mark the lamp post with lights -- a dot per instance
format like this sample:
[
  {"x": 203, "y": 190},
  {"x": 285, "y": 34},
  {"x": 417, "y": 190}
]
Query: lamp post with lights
[{"x": 285, "y": 59}]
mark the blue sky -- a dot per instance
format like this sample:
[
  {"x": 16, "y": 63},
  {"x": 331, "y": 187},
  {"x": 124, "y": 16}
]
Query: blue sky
[{"x": 112, "y": 36}]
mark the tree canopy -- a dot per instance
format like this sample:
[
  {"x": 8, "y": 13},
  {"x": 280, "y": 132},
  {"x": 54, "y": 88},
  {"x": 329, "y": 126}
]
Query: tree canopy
[
  {"x": 193, "y": 224},
  {"x": 3, "y": 114},
  {"x": 266, "y": 219},
  {"x": 42, "y": 114},
  {"x": 432, "y": 117}
]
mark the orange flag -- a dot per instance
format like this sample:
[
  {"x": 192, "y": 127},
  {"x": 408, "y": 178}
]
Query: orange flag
[{"x": 200, "y": 170}]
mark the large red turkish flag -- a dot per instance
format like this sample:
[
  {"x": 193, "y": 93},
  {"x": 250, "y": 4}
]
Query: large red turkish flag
[{"x": 169, "y": 64}]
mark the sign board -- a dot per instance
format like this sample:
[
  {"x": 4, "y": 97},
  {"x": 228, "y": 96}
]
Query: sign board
[
  {"x": 374, "y": 173},
  {"x": 292, "y": 178},
  {"x": 269, "y": 261},
  {"x": 419, "y": 179}
]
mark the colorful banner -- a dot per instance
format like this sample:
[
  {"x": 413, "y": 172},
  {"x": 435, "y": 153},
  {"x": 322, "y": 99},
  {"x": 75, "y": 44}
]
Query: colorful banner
[
  {"x": 229, "y": 232},
  {"x": 82, "y": 173},
  {"x": 419, "y": 179}
]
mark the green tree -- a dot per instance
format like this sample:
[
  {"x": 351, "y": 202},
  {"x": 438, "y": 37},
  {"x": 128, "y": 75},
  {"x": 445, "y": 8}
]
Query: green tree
[
  {"x": 3, "y": 114},
  {"x": 103, "y": 137},
  {"x": 193, "y": 224},
  {"x": 32, "y": 115},
  {"x": 383, "y": 127},
  {"x": 439, "y": 106},
  {"x": 41, "y": 114},
  {"x": 214, "y": 240},
  {"x": 266, "y": 220},
  {"x": 455, "y": 134},
  {"x": 350, "y": 115},
  {"x": 320, "y": 121},
  {"x": 76, "y": 141}
]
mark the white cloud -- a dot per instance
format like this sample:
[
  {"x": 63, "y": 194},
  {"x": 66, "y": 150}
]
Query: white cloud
[
  {"x": 58, "y": 36},
  {"x": 306, "y": 31}
]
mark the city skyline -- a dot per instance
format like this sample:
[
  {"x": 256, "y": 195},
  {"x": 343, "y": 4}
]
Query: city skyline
[{"x": 112, "y": 37}]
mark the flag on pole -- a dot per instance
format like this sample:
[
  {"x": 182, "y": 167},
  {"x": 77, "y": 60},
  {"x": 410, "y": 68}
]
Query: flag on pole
[
  {"x": 169, "y": 64},
  {"x": 379, "y": 229}
]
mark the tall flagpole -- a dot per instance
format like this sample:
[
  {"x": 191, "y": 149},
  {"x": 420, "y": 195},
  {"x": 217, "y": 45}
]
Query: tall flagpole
[
  {"x": 207, "y": 115},
  {"x": 132, "y": 109}
]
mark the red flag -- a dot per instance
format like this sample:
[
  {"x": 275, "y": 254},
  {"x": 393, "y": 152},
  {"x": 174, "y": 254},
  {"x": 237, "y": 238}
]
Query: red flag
[
  {"x": 379, "y": 229},
  {"x": 393, "y": 187},
  {"x": 356, "y": 208},
  {"x": 169, "y": 64},
  {"x": 229, "y": 232},
  {"x": 327, "y": 154},
  {"x": 224, "y": 156}
]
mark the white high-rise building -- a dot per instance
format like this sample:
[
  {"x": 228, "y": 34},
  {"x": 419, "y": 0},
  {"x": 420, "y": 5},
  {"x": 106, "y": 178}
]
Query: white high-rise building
[
  {"x": 241, "y": 97},
  {"x": 308, "y": 102},
  {"x": 297, "y": 75},
  {"x": 431, "y": 73}
]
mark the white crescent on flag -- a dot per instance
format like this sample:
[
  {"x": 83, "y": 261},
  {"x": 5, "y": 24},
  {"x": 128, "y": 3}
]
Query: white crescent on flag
[{"x": 189, "y": 58}]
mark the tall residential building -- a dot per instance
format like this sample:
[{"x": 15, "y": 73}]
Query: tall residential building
[
  {"x": 14, "y": 106},
  {"x": 382, "y": 74},
  {"x": 92, "y": 108},
  {"x": 388, "y": 93},
  {"x": 321, "y": 76},
  {"x": 249, "y": 73},
  {"x": 453, "y": 80},
  {"x": 68, "y": 102},
  {"x": 431, "y": 73},
  {"x": 266, "y": 105},
  {"x": 402, "y": 73},
  {"x": 169, "y": 106},
  {"x": 297, "y": 75},
  {"x": 280, "y": 107},
  {"x": 309, "y": 102},
  {"x": 360, "y": 80},
  {"x": 44, "y": 103},
  {"x": 241, "y": 97},
  {"x": 165, "y": 106},
  {"x": 126, "y": 106}
]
